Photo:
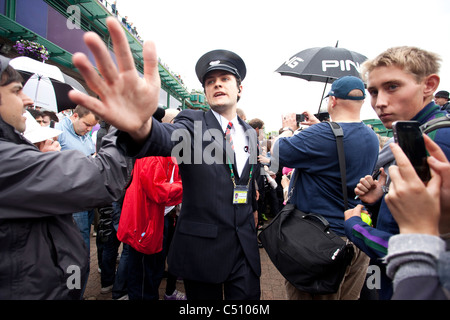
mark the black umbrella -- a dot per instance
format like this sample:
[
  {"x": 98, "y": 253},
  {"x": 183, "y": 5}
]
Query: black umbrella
[{"x": 323, "y": 64}]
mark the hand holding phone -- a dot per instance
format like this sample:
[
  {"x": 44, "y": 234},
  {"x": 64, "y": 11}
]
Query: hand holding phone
[
  {"x": 409, "y": 137},
  {"x": 300, "y": 117}
]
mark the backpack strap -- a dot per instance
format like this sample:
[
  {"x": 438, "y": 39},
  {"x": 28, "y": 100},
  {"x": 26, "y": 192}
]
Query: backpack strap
[{"x": 431, "y": 126}]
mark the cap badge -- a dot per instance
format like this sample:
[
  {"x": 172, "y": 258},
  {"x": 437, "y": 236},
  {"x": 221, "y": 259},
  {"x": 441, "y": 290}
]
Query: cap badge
[{"x": 214, "y": 63}]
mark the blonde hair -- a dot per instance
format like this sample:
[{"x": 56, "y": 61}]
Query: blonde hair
[{"x": 416, "y": 61}]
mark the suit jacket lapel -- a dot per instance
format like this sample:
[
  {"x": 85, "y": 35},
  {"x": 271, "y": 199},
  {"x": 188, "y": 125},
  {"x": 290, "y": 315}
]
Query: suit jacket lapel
[
  {"x": 212, "y": 123},
  {"x": 252, "y": 149}
]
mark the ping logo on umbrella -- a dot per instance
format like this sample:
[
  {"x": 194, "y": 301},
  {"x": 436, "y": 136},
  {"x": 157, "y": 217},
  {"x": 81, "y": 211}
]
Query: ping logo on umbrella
[
  {"x": 345, "y": 65},
  {"x": 293, "y": 62},
  {"x": 323, "y": 64}
]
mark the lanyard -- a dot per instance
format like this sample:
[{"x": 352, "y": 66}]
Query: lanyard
[{"x": 232, "y": 174}]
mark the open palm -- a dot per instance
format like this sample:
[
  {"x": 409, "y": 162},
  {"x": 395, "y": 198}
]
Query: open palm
[{"x": 126, "y": 101}]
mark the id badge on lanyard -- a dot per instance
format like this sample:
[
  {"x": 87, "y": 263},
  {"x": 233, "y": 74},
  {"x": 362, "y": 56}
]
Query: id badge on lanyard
[
  {"x": 240, "y": 192},
  {"x": 240, "y": 195}
]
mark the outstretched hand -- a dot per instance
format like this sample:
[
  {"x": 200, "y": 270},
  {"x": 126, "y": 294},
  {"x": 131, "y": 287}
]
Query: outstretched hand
[{"x": 126, "y": 101}]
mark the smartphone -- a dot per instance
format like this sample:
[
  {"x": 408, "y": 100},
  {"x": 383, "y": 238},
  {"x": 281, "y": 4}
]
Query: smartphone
[{"x": 409, "y": 137}]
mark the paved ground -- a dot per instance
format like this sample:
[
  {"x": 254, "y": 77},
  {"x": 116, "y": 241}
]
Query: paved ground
[{"x": 272, "y": 282}]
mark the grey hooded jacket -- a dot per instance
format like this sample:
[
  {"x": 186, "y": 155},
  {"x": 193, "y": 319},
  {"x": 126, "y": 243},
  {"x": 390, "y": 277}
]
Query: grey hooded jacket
[{"x": 42, "y": 254}]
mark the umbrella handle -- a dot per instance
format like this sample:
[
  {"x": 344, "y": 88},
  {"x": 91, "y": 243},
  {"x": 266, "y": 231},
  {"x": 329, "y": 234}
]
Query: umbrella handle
[
  {"x": 37, "y": 90},
  {"x": 323, "y": 93}
]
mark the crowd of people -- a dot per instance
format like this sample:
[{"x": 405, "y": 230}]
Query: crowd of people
[
  {"x": 112, "y": 7},
  {"x": 197, "y": 203}
]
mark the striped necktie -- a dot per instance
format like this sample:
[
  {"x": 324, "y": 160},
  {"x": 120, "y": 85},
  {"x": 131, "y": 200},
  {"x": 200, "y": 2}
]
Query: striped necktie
[{"x": 228, "y": 134}]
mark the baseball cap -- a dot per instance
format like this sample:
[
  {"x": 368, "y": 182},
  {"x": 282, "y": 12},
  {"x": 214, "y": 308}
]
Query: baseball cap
[
  {"x": 342, "y": 87},
  {"x": 35, "y": 132},
  {"x": 220, "y": 60}
]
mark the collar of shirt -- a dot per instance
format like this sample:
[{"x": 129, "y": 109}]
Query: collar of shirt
[
  {"x": 69, "y": 139},
  {"x": 224, "y": 122},
  {"x": 430, "y": 111},
  {"x": 68, "y": 127},
  {"x": 240, "y": 139}
]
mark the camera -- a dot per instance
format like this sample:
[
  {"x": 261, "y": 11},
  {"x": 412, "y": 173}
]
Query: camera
[{"x": 300, "y": 117}]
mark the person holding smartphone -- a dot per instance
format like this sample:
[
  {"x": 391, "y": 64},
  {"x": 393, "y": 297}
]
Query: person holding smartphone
[
  {"x": 401, "y": 82},
  {"x": 418, "y": 271}
]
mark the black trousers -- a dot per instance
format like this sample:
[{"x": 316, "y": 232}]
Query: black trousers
[
  {"x": 241, "y": 284},
  {"x": 145, "y": 272}
]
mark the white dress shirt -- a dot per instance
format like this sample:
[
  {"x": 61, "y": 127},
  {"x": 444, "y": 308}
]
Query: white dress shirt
[{"x": 240, "y": 140}]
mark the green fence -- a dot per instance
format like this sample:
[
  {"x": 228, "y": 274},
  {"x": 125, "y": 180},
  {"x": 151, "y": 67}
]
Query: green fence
[{"x": 378, "y": 127}]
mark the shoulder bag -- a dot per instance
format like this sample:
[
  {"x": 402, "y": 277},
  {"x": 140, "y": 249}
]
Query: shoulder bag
[{"x": 302, "y": 246}]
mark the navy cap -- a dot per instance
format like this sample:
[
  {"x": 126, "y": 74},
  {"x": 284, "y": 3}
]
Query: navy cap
[
  {"x": 442, "y": 94},
  {"x": 342, "y": 87},
  {"x": 220, "y": 60}
]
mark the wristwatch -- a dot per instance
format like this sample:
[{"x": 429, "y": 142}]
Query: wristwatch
[{"x": 287, "y": 128}]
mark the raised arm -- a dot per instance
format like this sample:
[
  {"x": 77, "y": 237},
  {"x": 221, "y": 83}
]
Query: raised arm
[{"x": 126, "y": 101}]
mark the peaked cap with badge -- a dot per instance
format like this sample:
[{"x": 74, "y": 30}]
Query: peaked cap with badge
[{"x": 220, "y": 60}]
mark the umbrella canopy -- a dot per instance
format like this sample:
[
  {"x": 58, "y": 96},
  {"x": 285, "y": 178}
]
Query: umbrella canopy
[
  {"x": 46, "y": 84},
  {"x": 323, "y": 64}
]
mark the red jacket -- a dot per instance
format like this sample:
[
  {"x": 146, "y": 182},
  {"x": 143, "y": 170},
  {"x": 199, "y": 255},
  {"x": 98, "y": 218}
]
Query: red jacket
[{"x": 142, "y": 219}]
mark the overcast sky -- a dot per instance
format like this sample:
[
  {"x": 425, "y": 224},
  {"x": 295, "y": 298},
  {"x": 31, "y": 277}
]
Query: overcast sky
[{"x": 266, "y": 33}]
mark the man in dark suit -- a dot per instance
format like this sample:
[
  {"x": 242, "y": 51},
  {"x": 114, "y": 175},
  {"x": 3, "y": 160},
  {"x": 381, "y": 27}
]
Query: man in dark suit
[{"x": 214, "y": 248}]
